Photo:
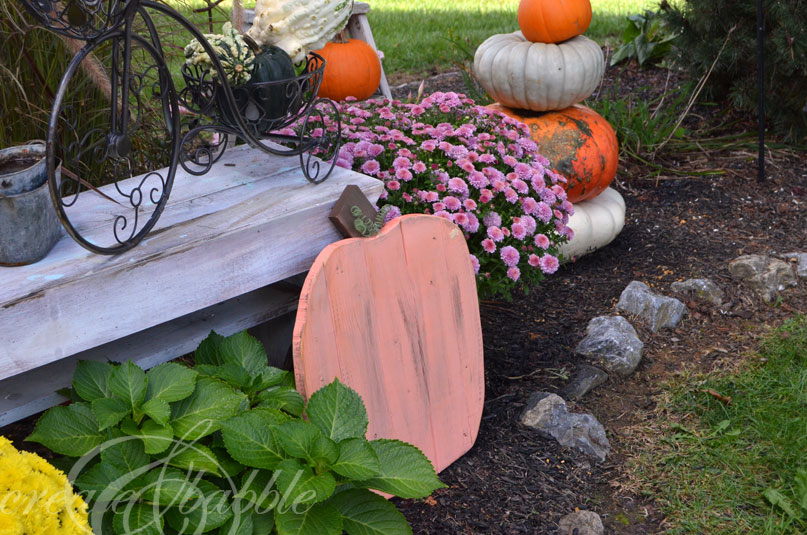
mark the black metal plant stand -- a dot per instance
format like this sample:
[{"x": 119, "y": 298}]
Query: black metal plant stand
[{"x": 144, "y": 128}]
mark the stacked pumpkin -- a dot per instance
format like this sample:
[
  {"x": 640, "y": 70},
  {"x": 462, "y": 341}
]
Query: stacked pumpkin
[{"x": 539, "y": 76}]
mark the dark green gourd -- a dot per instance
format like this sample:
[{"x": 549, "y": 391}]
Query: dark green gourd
[{"x": 272, "y": 64}]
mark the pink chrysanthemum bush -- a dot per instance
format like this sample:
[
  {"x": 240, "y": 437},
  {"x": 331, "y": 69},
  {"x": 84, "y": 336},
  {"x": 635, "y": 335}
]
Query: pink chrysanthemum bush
[{"x": 473, "y": 166}]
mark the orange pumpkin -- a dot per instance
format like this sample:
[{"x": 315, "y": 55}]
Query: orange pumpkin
[
  {"x": 553, "y": 21},
  {"x": 352, "y": 69},
  {"x": 579, "y": 143}
]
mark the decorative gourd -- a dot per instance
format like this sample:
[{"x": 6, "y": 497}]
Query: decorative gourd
[
  {"x": 579, "y": 143},
  {"x": 299, "y": 26},
  {"x": 352, "y": 69},
  {"x": 596, "y": 222},
  {"x": 396, "y": 317},
  {"x": 538, "y": 76},
  {"x": 553, "y": 21},
  {"x": 272, "y": 64}
]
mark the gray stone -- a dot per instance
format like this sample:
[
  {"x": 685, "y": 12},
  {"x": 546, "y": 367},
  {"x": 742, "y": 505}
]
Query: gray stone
[
  {"x": 767, "y": 276},
  {"x": 801, "y": 258},
  {"x": 612, "y": 342},
  {"x": 581, "y": 523},
  {"x": 658, "y": 311},
  {"x": 701, "y": 290},
  {"x": 547, "y": 414},
  {"x": 586, "y": 379}
]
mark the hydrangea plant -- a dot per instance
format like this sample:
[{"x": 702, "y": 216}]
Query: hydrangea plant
[{"x": 473, "y": 166}]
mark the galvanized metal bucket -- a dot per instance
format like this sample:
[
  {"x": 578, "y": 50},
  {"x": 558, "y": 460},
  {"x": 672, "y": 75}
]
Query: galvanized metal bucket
[{"x": 29, "y": 226}]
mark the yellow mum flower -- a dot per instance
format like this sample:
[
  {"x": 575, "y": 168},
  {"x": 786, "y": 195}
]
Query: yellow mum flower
[{"x": 36, "y": 498}]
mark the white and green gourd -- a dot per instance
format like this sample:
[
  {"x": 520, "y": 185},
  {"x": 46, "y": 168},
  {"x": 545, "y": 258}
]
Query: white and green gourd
[
  {"x": 518, "y": 73},
  {"x": 299, "y": 26},
  {"x": 596, "y": 223},
  {"x": 236, "y": 57}
]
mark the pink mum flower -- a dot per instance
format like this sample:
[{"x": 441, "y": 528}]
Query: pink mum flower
[
  {"x": 534, "y": 260},
  {"x": 520, "y": 186},
  {"x": 529, "y": 224},
  {"x": 485, "y": 196},
  {"x": 495, "y": 234},
  {"x": 549, "y": 264},
  {"x": 543, "y": 213},
  {"x": 510, "y": 255},
  {"x": 511, "y": 196},
  {"x": 404, "y": 174},
  {"x": 452, "y": 203},
  {"x": 458, "y": 185},
  {"x": 529, "y": 205},
  {"x": 469, "y": 204},
  {"x": 477, "y": 180},
  {"x": 370, "y": 167},
  {"x": 488, "y": 245},
  {"x": 419, "y": 167},
  {"x": 519, "y": 231},
  {"x": 393, "y": 185},
  {"x": 513, "y": 273},
  {"x": 493, "y": 219},
  {"x": 402, "y": 163},
  {"x": 542, "y": 241},
  {"x": 475, "y": 264}
]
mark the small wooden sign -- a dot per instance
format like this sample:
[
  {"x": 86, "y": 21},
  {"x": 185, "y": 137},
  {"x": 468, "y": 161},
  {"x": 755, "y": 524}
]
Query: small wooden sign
[{"x": 351, "y": 207}]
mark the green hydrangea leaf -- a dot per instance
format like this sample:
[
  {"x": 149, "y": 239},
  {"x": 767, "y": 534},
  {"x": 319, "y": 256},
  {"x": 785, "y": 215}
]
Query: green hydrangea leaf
[
  {"x": 170, "y": 382},
  {"x": 239, "y": 524},
  {"x": 128, "y": 382},
  {"x": 404, "y": 470},
  {"x": 199, "y": 516},
  {"x": 167, "y": 487},
  {"x": 233, "y": 374},
  {"x": 323, "y": 453},
  {"x": 245, "y": 351},
  {"x": 91, "y": 379},
  {"x": 366, "y": 513},
  {"x": 208, "y": 350},
  {"x": 269, "y": 376},
  {"x": 137, "y": 519},
  {"x": 124, "y": 452},
  {"x": 104, "y": 480},
  {"x": 285, "y": 398},
  {"x": 263, "y": 522},
  {"x": 158, "y": 410},
  {"x": 298, "y": 484},
  {"x": 197, "y": 457},
  {"x": 250, "y": 438},
  {"x": 156, "y": 438},
  {"x": 297, "y": 438},
  {"x": 207, "y": 370},
  {"x": 319, "y": 519},
  {"x": 71, "y": 430},
  {"x": 258, "y": 491},
  {"x": 202, "y": 412},
  {"x": 109, "y": 411},
  {"x": 228, "y": 466},
  {"x": 338, "y": 411},
  {"x": 357, "y": 460}
]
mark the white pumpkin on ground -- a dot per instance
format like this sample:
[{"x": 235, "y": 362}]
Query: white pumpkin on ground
[
  {"x": 596, "y": 222},
  {"x": 299, "y": 26},
  {"x": 538, "y": 76}
]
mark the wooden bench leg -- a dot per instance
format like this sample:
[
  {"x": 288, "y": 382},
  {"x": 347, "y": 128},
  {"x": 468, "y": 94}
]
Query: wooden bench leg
[{"x": 359, "y": 28}]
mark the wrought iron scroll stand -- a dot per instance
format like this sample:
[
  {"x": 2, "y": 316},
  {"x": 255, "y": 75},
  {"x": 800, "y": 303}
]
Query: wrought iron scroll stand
[{"x": 147, "y": 115}]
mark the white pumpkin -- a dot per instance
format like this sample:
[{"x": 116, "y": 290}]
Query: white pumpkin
[
  {"x": 538, "y": 76},
  {"x": 596, "y": 222},
  {"x": 299, "y": 26}
]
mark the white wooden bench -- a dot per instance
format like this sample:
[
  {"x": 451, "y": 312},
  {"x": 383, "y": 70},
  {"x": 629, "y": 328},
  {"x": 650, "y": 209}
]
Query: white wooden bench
[
  {"x": 359, "y": 28},
  {"x": 211, "y": 263}
]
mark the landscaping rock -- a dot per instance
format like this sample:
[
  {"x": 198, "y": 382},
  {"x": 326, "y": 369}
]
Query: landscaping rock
[
  {"x": 767, "y": 276},
  {"x": 701, "y": 290},
  {"x": 547, "y": 414},
  {"x": 801, "y": 258},
  {"x": 586, "y": 379},
  {"x": 658, "y": 311},
  {"x": 581, "y": 523},
  {"x": 613, "y": 343}
]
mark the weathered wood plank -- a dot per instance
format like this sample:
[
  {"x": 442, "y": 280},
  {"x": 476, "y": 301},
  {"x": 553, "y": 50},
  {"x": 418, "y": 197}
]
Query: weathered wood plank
[
  {"x": 216, "y": 240},
  {"x": 35, "y": 390},
  {"x": 396, "y": 317}
]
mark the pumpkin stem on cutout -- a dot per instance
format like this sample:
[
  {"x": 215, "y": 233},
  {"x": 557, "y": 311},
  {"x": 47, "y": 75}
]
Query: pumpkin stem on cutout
[{"x": 341, "y": 37}]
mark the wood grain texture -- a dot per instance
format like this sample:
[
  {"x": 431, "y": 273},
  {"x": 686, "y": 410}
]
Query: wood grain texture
[
  {"x": 251, "y": 221},
  {"x": 396, "y": 318}
]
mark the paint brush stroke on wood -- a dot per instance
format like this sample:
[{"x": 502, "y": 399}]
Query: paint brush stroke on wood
[{"x": 396, "y": 318}]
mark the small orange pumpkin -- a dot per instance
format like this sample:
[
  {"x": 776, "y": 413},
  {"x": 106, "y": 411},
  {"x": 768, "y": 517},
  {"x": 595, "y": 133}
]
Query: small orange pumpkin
[
  {"x": 553, "y": 21},
  {"x": 579, "y": 143},
  {"x": 352, "y": 69}
]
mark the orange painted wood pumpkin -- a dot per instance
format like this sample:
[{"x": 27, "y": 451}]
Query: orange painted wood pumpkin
[
  {"x": 553, "y": 21},
  {"x": 396, "y": 318},
  {"x": 352, "y": 69},
  {"x": 579, "y": 143}
]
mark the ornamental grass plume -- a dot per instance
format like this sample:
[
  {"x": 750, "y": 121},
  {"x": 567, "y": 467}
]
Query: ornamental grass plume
[
  {"x": 36, "y": 498},
  {"x": 473, "y": 166}
]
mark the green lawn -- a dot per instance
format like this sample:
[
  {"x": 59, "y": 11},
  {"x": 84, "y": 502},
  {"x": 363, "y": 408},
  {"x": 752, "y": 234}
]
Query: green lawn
[
  {"x": 733, "y": 466},
  {"x": 414, "y": 35}
]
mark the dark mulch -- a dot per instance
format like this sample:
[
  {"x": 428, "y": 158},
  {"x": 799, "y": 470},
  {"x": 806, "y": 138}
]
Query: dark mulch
[{"x": 513, "y": 481}]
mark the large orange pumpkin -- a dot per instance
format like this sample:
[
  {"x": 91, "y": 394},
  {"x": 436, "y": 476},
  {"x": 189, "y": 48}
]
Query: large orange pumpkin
[
  {"x": 553, "y": 21},
  {"x": 352, "y": 69},
  {"x": 579, "y": 143}
]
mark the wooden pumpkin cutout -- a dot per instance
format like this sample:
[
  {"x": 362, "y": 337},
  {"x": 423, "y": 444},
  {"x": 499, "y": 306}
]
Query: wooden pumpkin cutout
[{"x": 396, "y": 318}]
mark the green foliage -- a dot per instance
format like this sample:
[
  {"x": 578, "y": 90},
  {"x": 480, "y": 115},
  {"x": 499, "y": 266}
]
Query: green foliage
[
  {"x": 723, "y": 33},
  {"x": 738, "y": 466},
  {"x": 222, "y": 448},
  {"x": 647, "y": 38}
]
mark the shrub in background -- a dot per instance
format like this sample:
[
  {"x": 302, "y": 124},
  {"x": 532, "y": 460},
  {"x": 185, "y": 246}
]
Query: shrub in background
[
  {"x": 728, "y": 29},
  {"x": 473, "y": 166}
]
